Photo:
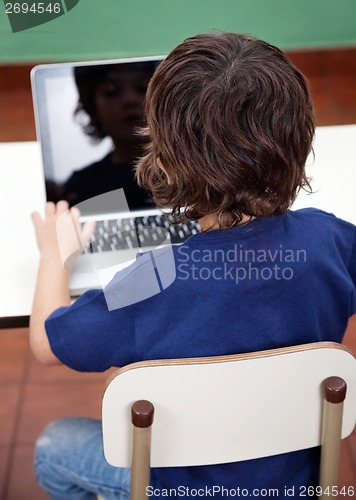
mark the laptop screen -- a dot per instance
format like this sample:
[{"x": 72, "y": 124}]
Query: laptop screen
[{"x": 87, "y": 121}]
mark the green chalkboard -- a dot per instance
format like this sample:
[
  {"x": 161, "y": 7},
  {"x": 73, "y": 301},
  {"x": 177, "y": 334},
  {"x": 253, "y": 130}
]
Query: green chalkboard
[{"x": 86, "y": 29}]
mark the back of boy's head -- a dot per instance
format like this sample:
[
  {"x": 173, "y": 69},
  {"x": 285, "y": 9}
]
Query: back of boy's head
[{"x": 231, "y": 120}]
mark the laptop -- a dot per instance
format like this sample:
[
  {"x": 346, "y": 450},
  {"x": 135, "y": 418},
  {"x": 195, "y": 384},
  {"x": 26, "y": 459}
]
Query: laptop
[{"x": 87, "y": 116}]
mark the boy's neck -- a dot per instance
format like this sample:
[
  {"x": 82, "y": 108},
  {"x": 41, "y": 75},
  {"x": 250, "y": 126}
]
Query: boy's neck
[{"x": 210, "y": 222}]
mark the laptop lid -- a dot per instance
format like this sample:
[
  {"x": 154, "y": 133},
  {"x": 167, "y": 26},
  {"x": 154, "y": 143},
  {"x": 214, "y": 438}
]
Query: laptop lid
[{"x": 87, "y": 117}]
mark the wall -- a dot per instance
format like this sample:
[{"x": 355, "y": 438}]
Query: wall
[{"x": 114, "y": 28}]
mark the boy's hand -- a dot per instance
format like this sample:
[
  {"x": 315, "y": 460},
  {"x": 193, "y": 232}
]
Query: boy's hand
[
  {"x": 59, "y": 234},
  {"x": 59, "y": 238}
]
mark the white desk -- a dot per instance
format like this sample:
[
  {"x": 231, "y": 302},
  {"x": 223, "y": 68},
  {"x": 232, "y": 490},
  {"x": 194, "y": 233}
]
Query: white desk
[
  {"x": 22, "y": 192},
  {"x": 333, "y": 172}
]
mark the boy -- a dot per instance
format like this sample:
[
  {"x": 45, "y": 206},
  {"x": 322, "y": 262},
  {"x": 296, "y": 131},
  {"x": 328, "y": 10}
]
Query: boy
[{"x": 230, "y": 123}]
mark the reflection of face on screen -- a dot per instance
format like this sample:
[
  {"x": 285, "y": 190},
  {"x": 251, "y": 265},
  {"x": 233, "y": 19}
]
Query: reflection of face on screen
[
  {"x": 110, "y": 104},
  {"x": 119, "y": 105}
]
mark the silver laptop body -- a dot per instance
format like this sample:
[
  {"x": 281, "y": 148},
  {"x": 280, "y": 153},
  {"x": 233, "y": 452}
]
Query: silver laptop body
[{"x": 87, "y": 116}]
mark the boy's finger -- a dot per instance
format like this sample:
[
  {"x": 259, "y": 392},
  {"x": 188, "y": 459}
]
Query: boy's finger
[
  {"x": 75, "y": 212},
  {"x": 50, "y": 208},
  {"x": 68, "y": 237},
  {"x": 62, "y": 206},
  {"x": 36, "y": 218},
  {"x": 87, "y": 231}
]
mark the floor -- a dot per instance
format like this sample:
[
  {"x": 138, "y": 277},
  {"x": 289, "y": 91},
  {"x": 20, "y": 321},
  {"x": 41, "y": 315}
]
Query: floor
[{"x": 33, "y": 395}]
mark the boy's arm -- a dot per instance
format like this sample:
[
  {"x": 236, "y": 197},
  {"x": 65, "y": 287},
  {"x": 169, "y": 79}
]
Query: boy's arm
[{"x": 51, "y": 290}]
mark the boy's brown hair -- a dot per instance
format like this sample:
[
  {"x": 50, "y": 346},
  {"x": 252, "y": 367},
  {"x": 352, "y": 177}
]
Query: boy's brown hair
[{"x": 231, "y": 120}]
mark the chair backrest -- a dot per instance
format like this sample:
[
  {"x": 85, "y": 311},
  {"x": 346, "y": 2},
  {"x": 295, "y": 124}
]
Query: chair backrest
[{"x": 228, "y": 408}]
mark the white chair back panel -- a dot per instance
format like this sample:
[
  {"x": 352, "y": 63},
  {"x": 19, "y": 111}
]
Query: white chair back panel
[{"x": 266, "y": 406}]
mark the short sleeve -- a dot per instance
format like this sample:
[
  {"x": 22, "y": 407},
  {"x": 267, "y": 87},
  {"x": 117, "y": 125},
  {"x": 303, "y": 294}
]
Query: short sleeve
[
  {"x": 86, "y": 336},
  {"x": 352, "y": 266}
]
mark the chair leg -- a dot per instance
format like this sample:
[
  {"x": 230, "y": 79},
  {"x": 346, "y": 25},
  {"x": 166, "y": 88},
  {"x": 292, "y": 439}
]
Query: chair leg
[
  {"x": 142, "y": 418},
  {"x": 334, "y": 396}
]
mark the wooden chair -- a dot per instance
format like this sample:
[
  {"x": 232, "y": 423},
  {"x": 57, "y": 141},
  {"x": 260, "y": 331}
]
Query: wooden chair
[{"x": 299, "y": 392}]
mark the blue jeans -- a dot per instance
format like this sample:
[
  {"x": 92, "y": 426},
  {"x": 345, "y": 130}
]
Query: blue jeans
[{"x": 70, "y": 463}]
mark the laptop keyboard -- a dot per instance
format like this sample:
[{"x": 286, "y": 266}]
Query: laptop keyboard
[{"x": 138, "y": 232}]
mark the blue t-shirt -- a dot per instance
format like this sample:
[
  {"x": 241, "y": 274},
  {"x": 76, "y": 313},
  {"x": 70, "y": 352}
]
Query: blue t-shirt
[{"x": 275, "y": 282}]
